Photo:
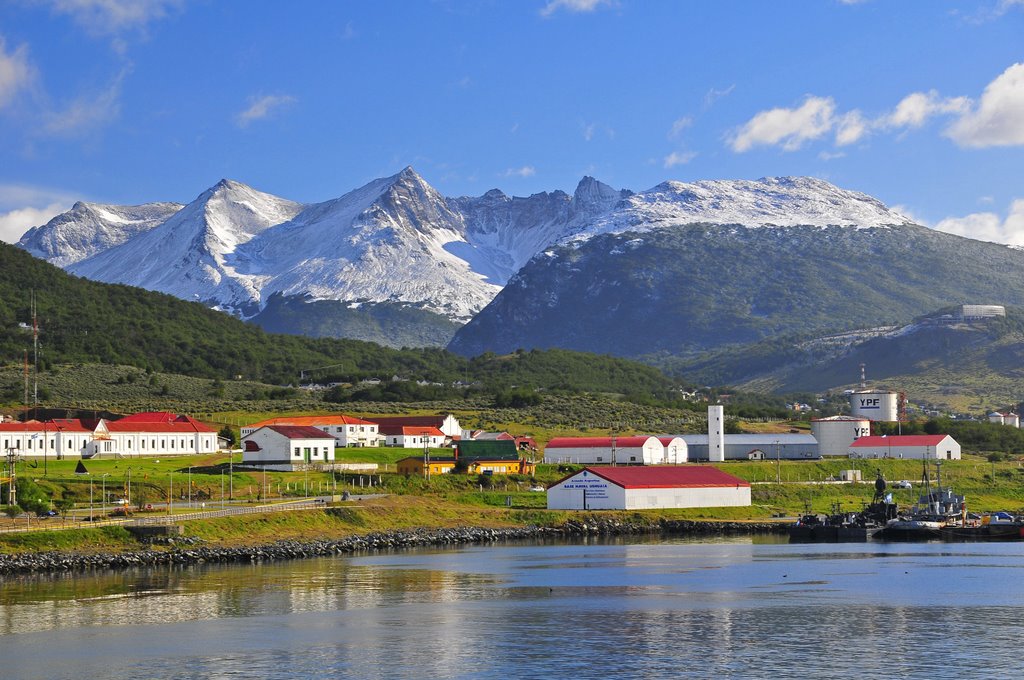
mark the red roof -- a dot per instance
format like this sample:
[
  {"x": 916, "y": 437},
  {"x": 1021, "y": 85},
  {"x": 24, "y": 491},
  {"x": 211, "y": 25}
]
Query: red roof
[
  {"x": 147, "y": 427},
  {"x": 299, "y": 431},
  {"x": 330, "y": 419},
  {"x": 411, "y": 431},
  {"x": 597, "y": 442},
  {"x": 149, "y": 417},
  {"x": 664, "y": 476},
  {"x": 410, "y": 421},
  {"x": 665, "y": 441},
  {"x": 901, "y": 440}
]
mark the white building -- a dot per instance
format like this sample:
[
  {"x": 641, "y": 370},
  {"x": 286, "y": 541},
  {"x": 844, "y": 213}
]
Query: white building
[
  {"x": 410, "y": 437},
  {"x": 764, "y": 446},
  {"x": 1011, "y": 419},
  {"x": 348, "y": 431},
  {"x": 676, "y": 451},
  {"x": 643, "y": 450},
  {"x": 915, "y": 446},
  {"x": 286, "y": 447},
  {"x": 640, "y": 488},
  {"x": 140, "y": 434}
]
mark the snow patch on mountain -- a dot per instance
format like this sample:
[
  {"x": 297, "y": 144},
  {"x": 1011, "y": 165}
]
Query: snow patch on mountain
[{"x": 90, "y": 228}]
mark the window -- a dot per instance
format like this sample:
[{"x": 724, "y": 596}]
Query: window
[
  {"x": 600, "y": 459},
  {"x": 143, "y": 443},
  {"x": 297, "y": 453}
]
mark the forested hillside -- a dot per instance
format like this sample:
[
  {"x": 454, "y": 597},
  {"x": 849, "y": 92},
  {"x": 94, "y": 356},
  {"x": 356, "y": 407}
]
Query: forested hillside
[{"x": 83, "y": 321}]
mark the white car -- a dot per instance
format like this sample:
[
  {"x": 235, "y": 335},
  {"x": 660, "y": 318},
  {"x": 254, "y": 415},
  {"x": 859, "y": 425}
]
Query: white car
[{"x": 902, "y": 484}]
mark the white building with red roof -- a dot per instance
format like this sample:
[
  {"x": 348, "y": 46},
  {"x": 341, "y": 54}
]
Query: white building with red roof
[
  {"x": 287, "y": 447},
  {"x": 346, "y": 430},
  {"x": 641, "y": 450},
  {"x": 412, "y": 437},
  {"x": 648, "y": 488},
  {"x": 914, "y": 446},
  {"x": 140, "y": 434}
]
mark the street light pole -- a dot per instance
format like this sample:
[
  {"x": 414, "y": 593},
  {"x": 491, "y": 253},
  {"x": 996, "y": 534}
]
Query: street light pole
[
  {"x": 189, "y": 487},
  {"x": 103, "y": 503},
  {"x": 90, "y": 497},
  {"x": 778, "y": 464}
]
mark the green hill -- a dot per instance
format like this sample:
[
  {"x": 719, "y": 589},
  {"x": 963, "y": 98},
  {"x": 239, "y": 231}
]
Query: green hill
[{"x": 83, "y": 321}]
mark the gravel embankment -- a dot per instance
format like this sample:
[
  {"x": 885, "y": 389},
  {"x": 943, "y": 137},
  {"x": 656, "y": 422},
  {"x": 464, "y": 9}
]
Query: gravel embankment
[{"x": 183, "y": 551}]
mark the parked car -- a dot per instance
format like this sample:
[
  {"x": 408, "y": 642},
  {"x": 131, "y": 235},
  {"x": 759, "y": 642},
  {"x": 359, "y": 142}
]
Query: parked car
[{"x": 903, "y": 484}]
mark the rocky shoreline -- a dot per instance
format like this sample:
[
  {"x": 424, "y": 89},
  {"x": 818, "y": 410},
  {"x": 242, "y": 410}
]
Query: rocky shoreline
[{"x": 174, "y": 551}]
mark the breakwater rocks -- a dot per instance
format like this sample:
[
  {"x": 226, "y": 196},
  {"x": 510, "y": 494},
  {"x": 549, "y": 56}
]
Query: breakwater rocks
[{"x": 186, "y": 551}]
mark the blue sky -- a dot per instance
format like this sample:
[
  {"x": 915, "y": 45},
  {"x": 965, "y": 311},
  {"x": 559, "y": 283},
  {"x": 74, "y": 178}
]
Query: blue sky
[{"x": 917, "y": 102}]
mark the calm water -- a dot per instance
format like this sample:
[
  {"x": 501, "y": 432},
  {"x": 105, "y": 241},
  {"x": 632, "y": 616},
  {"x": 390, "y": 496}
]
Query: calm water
[{"x": 604, "y": 610}]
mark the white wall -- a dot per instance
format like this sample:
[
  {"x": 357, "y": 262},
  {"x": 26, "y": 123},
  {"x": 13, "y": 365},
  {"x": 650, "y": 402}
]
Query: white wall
[{"x": 275, "y": 447}]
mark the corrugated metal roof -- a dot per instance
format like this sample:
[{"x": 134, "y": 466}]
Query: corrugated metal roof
[
  {"x": 598, "y": 442},
  {"x": 752, "y": 439},
  {"x": 901, "y": 440},
  {"x": 332, "y": 419},
  {"x": 665, "y": 477}
]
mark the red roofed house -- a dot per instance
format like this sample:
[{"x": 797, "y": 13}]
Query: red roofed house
[
  {"x": 604, "y": 450},
  {"x": 641, "y": 488},
  {"x": 411, "y": 437},
  {"x": 347, "y": 430},
  {"x": 929, "y": 446},
  {"x": 287, "y": 447}
]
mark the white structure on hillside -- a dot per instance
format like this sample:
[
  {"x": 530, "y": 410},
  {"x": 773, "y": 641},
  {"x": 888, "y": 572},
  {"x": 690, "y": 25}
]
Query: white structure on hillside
[
  {"x": 1011, "y": 419},
  {"x": 968, "y": 312},
  {"x": 917, "y": 446},
  {"x": 641, "y": 488},
  {"x": 447, "y": 423},
  {"x": 879, "y": 406},
  {"x": 287, "y": 447}
]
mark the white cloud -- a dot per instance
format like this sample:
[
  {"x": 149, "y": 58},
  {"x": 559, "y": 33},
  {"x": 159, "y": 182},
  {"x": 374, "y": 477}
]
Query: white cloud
[
  {"x": 678, "y": 158},
  {"x": 23, "y": 206},
  {"x": 113, "y": 17},
  {"x": 851, "y": 128},
  {"x": 829, "y": 156},
  {"x": 998, "y": 119},
  {"x": 989, "y": 226},
  {"x": 590, "y": 130},
  {"x": 790, "y": 128},
  {"x": 714, "y": 95},
  {"x": 14, "y": 223},
  {"x": 525, "y": 171},
  {"x": 574, "y": 6},
  {"x": 262, "y": 107},
  {"x": 915, "y": 109},
  {"x": 909, "y": 214},
  {"x": 87, "y": 111},
  {"x": 678, "y": 126},
  {"x": 15, "y": 72}
]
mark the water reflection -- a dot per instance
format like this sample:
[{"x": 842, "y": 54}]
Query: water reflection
[{"x": 685, "y": 609}]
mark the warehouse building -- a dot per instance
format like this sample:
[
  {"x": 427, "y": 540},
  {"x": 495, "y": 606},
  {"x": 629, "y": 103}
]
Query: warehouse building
[
  {"x": 766, "y": 446},
  {"x": 641, "y": 488},
  {"x": 642, "y": 450},
  {"x": 914, "y": 446}
]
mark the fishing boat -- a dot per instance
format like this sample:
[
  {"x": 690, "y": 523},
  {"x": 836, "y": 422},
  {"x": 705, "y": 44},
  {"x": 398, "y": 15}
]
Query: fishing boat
[
  {"x": 848, "y": 527},
  {"x": 936, "y": 510}
]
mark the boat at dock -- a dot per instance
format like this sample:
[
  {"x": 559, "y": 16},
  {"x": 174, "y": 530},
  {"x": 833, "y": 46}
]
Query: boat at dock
[
  {"x": 936, "y": 511},
  {"x": 848, "y": 527}
]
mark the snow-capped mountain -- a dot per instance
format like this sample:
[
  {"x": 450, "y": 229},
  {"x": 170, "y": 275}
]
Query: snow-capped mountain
[
  {"x": 188, "y": 254},
  {"x": 90, "y": 228},
  {"x": 398, "y": 242}
]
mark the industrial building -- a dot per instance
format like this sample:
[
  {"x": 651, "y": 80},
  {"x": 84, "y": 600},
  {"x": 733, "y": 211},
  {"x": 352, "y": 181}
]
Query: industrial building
[
  {"x": 1011, "y": 419},
  {"x": 917, "y": 446},
  {"x": 835, "y": 434},
  {"x": 643, "y": 488},
  {"x": 642, "y": 450},
  {"x": 766, "y": 446}
]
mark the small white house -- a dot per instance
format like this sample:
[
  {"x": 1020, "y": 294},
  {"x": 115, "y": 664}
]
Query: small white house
[
  {"x": 640, "y": 488},
  {"x": 347, "y": 430},
  {"x": 412, "y": 437},
  {"x": 1011, "y": 419},
  {"x": 915, "y": 446},
  {"x": 286, "y": 447},
  {"x": 606, "y": 450}
]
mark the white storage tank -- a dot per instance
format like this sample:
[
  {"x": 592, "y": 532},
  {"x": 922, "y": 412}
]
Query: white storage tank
[
  {"x": 835, "y": 434},
  {"x": 877, "y": 406}
]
